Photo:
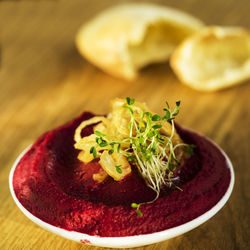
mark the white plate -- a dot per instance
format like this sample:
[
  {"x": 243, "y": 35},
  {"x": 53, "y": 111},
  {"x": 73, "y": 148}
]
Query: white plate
[{"x": 129, "y": 241}]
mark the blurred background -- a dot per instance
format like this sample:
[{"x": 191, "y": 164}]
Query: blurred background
[{"x": 44, "y": 82}]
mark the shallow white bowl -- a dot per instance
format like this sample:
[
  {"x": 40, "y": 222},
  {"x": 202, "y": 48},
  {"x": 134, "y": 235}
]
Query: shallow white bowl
[{"x": 129, "y": 241}]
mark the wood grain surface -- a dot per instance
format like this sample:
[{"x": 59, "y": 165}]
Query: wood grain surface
[{"x": 44, "y": 82}]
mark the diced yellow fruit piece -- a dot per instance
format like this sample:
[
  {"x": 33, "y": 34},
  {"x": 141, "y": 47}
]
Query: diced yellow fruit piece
[
  {"x": 108, "y": 163},
  {"x": 85, "y": 145},
  {"x": 100, "y": 176},
  {"x": 85, "y": 156}
]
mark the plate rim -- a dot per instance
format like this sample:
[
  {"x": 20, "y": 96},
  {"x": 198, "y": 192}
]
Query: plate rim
[{"x": 127, "y": 241}]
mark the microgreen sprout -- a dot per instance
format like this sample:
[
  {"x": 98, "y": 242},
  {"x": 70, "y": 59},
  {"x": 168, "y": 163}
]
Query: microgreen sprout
[
  {"x": 137, "y": 206},
  {"x": 93, "y": 151},
  {"x": 130, "y": 101},
  {"x": 149, "y": 147},
  {"x": 118, "y": 168}
]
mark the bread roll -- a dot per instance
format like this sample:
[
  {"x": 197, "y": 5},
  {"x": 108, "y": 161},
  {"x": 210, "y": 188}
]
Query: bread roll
[
  {"x": 213, "y": 58},
  {"x": 122, "y": 39}
]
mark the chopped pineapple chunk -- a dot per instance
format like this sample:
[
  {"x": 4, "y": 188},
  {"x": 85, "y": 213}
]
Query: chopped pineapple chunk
[
  {"x": 100, "y": 176},
  {"x": 108, "y": 163}
]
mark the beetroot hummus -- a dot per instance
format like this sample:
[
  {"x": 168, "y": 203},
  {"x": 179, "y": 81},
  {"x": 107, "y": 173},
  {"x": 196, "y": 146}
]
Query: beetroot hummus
[{"x": 55, "y": 186}]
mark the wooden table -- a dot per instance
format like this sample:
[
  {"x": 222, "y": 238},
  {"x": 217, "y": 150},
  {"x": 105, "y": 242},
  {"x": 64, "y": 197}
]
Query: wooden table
[{"x": 44, "y": 82}]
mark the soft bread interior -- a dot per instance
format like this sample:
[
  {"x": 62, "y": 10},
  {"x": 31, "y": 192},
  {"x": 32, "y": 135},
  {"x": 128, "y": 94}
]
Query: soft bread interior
[
  {"x": 157, "y": 44},
  {"x": 214, "y": 59}
]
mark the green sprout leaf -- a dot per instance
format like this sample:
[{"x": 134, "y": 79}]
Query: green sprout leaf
[
  {"x": 118, "y": 148},
  {"x": 139, "y": 213},
  {"x": 130, "y": 101},
  {"x": 176, "y": 111},
  {"x": 103, "y": 144},
  {"x": 156, "y": 118},
  {"x": 118, "y": 169},
  {"x": 167, "y": 115},
  {"x": 130, "y": 158},
  {"x": 157, "y": 126},
  {"x": 93, "y": 151},
  {"x": 111, "y": 151},
  {"x": 98, "y": 140},
  {"x": 149, "y": 115},
  {"x": 134, "y": 205},
  {"x": 137, "y": 206}
]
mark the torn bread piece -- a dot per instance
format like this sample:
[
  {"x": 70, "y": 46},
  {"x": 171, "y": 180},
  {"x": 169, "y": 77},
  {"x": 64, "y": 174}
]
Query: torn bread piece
[
  {"x": 214, "y": 58},
  {"x": 123, "y": 39}
]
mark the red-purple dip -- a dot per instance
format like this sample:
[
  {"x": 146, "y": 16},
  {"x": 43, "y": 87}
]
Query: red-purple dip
[{"x": 55, "y": 186}]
